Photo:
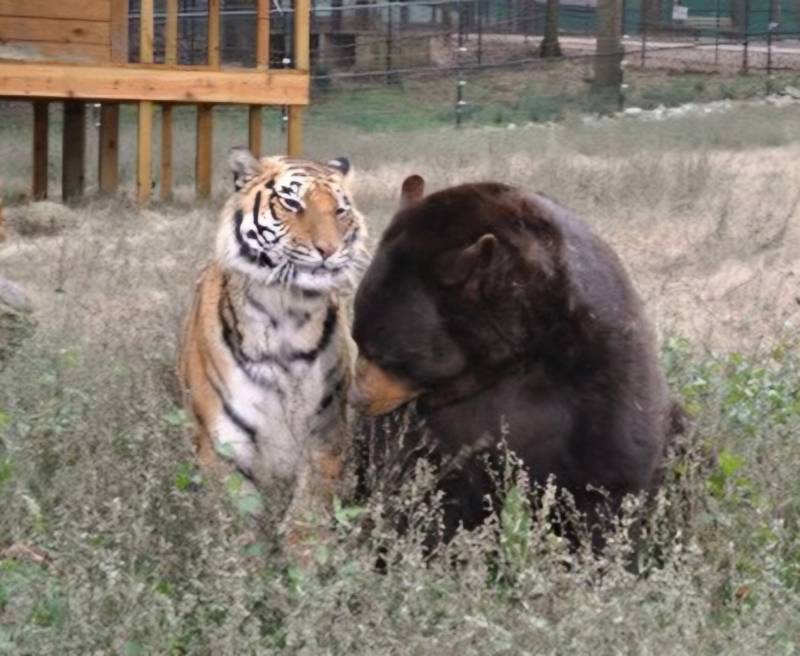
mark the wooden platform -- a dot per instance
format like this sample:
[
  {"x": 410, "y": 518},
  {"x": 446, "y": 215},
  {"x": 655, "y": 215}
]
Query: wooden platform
[
  {"x": 55, "y": 81},
  {"x": 76, "y": 51}
]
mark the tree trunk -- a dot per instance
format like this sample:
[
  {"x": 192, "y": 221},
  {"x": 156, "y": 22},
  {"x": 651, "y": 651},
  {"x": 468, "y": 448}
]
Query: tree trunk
[
  {"x": 775, "y": 12},
  {"x": 651, "y": 14},
  {"x": 609, "y": 53},
  {"x": 336, "y": 15},
  {"x": 738, "y": 14},
  {"x": 363, "y": 15},
  {"x": 550, "y": 46}
]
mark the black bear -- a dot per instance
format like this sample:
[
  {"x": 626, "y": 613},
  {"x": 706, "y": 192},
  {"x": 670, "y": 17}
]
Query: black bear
[{"x": 500, "y": 311}]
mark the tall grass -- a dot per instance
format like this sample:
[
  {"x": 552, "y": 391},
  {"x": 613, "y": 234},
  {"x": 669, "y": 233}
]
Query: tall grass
[{"x": 111, "y": 541}]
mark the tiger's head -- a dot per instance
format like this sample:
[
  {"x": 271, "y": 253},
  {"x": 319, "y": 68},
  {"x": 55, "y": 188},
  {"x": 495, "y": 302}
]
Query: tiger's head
[{"x": 291, "y": 222}]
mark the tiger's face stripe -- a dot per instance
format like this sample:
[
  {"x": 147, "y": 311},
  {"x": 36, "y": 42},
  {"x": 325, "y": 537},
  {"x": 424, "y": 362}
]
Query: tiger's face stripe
[{"x": 294, "y": 225}]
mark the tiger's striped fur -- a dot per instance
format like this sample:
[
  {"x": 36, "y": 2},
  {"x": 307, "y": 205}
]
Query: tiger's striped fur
[{"x": 266, "y": 356}]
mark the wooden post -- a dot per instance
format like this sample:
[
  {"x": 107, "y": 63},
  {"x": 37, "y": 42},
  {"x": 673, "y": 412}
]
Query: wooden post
[
  {"x": 302, "y": 60},
  {"x": 205, "y": 136},
  {"x": 205, "y": 117},
  {"x": 295, "y": 132},
  {"x": 73, "y": 150},
  {"x": 144, "y": 151},
  {"x": 119, "y": 31},
  {"x": 41, "y": 125},
  {"x": 108, "y": 161},
  {"x": 171, "y": 59},
  {"x": 213, "y": 33},
  {"x": 262, "y": 62},
  {"x": 145, "y": 133}
]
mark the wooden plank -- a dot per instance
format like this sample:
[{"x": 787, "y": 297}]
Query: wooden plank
[
  {"x": 119, "y": 31},
  {"x": 73, "y": 149},
  {"x": 254, "y": 118},
  {"x": 54, "y": 30},
  {"x": 166, "y": 152},
  {"x": 302, "y": 35},
  {"x": 170, "y": 59},
  {"x": 93, "y": 10},
  {"x": 146, "y": 32},
  {"x": 63, "y": 52},
  {"x": 41, "y": 125},
  {"x": 262, "y": 34},
  {"x": 171, "y": 33},
  {"x": 254, "y": 129},
  {"x": 205, "y": 137},
  {"x": 295, "y": 132},
  {"x": 156, "y": 83},
  {"x": 213, "y": 33},
  {"x": 144, "y": 151},
  {"x": 108, "y": 158}
]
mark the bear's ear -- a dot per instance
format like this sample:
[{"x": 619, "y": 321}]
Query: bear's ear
[
  {"x": 244, "y": 166},
  {"x": 412, "y": 191},
  {"x": 455, "y": 267}
]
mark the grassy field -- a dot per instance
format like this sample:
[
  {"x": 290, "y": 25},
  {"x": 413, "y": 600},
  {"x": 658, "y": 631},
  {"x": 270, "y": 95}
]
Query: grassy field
[{"x": 121, "y": 547}]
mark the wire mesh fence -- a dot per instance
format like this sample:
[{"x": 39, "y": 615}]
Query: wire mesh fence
[{"x": 455, "y": 61}]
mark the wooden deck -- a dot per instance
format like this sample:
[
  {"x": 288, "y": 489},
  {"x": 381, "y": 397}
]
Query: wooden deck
[{"x": 53, "y": 35}]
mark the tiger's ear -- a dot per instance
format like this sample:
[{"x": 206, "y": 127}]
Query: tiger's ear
[
  {"x": 412, "y": 191},
  {"x": 342, "y": 166},
  {"x": 243, "y": 165}
]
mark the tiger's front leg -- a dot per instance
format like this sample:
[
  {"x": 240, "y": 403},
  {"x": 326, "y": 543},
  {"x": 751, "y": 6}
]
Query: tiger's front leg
[{"x": 308, "y": 519}]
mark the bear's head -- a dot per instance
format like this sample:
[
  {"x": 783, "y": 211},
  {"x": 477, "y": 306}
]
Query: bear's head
[{"x": 466, "y": 284}]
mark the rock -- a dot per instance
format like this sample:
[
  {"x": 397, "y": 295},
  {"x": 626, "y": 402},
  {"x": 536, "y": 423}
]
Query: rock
[
  {"x": 794, "y": 92},
  {"x": 41, "y": 218},
  {"x": 633, "y": 111},
  {"x": 16, "y": 324}
]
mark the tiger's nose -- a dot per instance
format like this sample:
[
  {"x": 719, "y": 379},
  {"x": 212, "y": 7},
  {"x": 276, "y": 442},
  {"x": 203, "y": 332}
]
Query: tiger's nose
[{"x": 325, "y": 248}]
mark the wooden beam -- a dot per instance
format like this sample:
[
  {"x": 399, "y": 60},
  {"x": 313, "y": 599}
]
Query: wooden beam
[
  {"x": 119, "y": 31},
  {"x": 41, "y": 125},
  {"x": 73, "y": 150},
  {"x": 75, "y": 53},
  {"x": 144, "y": 151},
  {"x": 146, "y": 32},
  {"x": 302, "y": 35},
  {"x": 54, "y": 30},
  {"x": 302, "y": 63},
  {"x": 108, "y": 161},
  {"x": 203, "y": 153},
  {"x": 166, "y": 152},
  {"x": 254, "y": 119},
  {"x": 254, "y": 129},
  {"x": 156, "y": 83},
  {"x": 97, "y": 10},
  {"x": 295, "y": 132},
  {"x": 171, "y": 34},
  {"x": 213, "y": 33},
  {"x": 170, "y": 59},
  {"x": 144, "y": 145},
  {"x": 262, "y": 34}
]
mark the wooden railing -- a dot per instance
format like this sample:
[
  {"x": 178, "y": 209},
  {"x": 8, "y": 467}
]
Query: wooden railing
[{"x": 113, "y": 82}]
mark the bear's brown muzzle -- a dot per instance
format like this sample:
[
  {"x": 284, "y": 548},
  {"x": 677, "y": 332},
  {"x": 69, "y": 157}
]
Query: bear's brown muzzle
[{"x": 375, "y": 391}]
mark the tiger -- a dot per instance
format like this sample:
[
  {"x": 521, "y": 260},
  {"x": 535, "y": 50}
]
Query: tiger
[{"x": 266, "y": 356}]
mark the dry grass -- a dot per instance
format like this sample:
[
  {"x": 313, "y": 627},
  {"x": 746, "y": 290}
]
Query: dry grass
[{"x": 122, "y": 548}]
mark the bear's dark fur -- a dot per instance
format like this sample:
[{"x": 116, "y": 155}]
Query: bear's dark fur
[{"x": 499, "y": 308}]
